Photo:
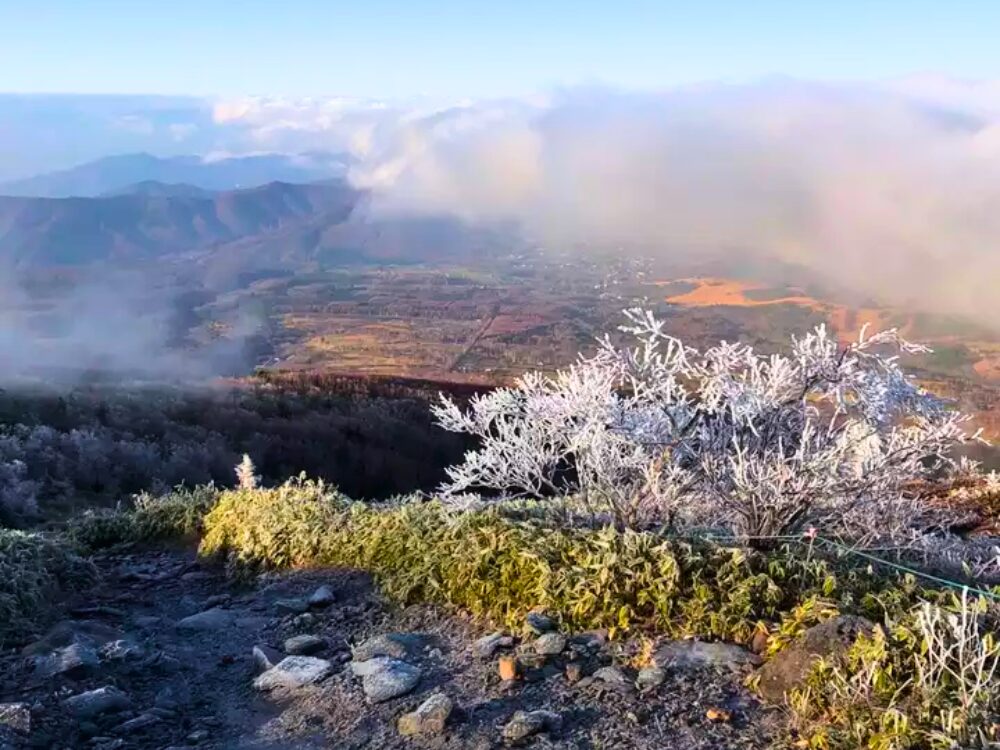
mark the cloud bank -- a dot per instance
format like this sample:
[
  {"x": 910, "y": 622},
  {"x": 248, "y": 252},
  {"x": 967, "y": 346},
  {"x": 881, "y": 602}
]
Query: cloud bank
[{"x": 894, "y": 190}]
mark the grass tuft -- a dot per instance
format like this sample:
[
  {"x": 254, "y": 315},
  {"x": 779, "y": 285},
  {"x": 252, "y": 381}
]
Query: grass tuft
[{"x": 32, "y": 568}]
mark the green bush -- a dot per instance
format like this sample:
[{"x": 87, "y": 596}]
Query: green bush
[
  {"x": 32, "y": 568},
  {"x": 178, "y": 514},
  {"x": 500, "y": 565}
]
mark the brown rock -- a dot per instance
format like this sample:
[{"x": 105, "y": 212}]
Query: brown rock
[
  {"x": 760, "y": 640},
  {"x": 789, "y": 667},
  {"x": 507, "y": 667},
  {"x": 574, "y": 672},
  {"x": 718, "y": 714}
]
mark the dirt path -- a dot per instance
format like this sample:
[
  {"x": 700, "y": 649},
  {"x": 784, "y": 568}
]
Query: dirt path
[{"x": 190, "y": 683}]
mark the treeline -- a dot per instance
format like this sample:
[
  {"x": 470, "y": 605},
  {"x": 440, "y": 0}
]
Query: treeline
[{"x": 61, "y": 450}]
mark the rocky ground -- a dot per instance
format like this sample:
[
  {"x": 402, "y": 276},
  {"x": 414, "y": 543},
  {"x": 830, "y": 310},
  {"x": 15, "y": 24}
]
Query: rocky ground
[{"x": 166, "y": 653}]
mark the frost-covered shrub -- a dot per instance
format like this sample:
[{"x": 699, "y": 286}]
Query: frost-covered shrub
[
  {"x": 824, "y": 435},
  {"x": 17, "y": 493}
]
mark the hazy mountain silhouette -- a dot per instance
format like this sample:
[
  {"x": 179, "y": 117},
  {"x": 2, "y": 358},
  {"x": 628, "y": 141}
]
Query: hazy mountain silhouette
[
  {"x": 154, "y": 188},
  {"x": 38, "y": 232},
  {"x": 114, "y": 174}
]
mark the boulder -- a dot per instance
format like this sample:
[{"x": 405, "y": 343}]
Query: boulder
[
  {"x": 699, "y": 654},
  {"x": 75, "y": 660},
  {"x": 293, "y": 672},
  {"x": 790, "y": 666},
  {"x": 429, "y": 718},
  {"x": 96, "y": 702}
]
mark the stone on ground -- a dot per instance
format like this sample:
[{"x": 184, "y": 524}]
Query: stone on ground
[
  {"x": 429, "y": 718},
  {"x": 391, "y": 679},
  {"x": 322, "y": 597},
  {"x": 396, "y": 645},
  {"x": 614, "y": 677},
  {"x": 540, "y": 622},
  {"x": 291, "y": 606},
  {"x": 486, "y": 646},
  {"x": 650, "y": 677},
  {"x": 301, "y": 645},
  {"x": 294, "y": 672},
  {"x": 550, "y": 644},
  {"x": 210, "y": 619},
  {"x": 17, "y": 716},
  {"x": 525, "y": 724},
  {"x": 96, "y": 702},
  {"x": 699, "y": 654},
  {"x": 75, "y": 660},
  {"x": 265, "y": 657}
]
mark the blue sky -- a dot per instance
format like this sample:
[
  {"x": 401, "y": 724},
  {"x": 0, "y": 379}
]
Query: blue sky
[{"x": 470, "y": 48}]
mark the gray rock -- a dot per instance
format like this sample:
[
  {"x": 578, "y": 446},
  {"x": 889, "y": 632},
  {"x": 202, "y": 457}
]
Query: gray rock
[
  {"x": 210, "y": 619},
  {"x": 294, "y": 672},
  {"x": 87, "y": 632},
  {"x": 16, "y": 716},
  {"x": 650, "y": 677},
  {"x": 265, "y": 657},
  {"x": 429, "y": 718},
  {"x": 291, "y": 606},
  {"x": 790, "y": 666},
  {"x": 394, "y": 679},
  {"x": 121, "y": 650},
  {"x": 322, "y": 597},
  {"x": 251, "y": 622},
  {"x": 396, "y": 645},
  {"x": 75, "y": 660},
  {"x": 139, "y": 722},
  {"x": 96, "y": 702},
  {"x": 486, "y": 646},
  {"x": 614, "y": 677},
  {"x": 371, "y": 666},
  {"x": 540, "y": 622},
  {"x": 700, "y": 654},
  {"x": 306, "y": 620},
  {"x": 526, "y": 724},
  {"x": 550, "y": 644},
  {"x": 301, "y": 645}
]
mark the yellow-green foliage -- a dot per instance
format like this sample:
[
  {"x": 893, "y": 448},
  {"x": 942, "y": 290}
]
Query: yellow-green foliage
[
  {"x": 177, "y": 514},
  {"x": 885, "y": 694},
  {"x": 32, "y": 567},
  {"x": 500, "y": 566}
]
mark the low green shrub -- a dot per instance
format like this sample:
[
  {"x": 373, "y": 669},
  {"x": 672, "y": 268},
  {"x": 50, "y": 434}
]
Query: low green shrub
[
  {"x": 178, "y": 514},
  {"x": 500, "y": 566},
  {"x": 32, "y": 568}
]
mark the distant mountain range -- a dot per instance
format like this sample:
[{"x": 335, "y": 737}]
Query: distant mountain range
[
  {"x": 116, "y": 174},
  {"x": 225, "y": 239},
  {"x": 157, "y": 220}
]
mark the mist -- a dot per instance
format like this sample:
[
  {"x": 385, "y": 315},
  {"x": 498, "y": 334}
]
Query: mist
[
  {"x": 93, "y": 324},
  {"x": 892, "y": 190}
]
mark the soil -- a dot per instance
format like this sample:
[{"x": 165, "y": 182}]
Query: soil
[{"x": 194, "y": 689}]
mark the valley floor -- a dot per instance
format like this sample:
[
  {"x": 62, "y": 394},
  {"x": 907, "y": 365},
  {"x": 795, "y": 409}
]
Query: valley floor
[{"x": 177, "y": 683}]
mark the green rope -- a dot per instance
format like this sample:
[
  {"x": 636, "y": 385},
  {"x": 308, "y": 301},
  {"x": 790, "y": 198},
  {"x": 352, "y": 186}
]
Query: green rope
[{"x": 913, "y": 571}]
